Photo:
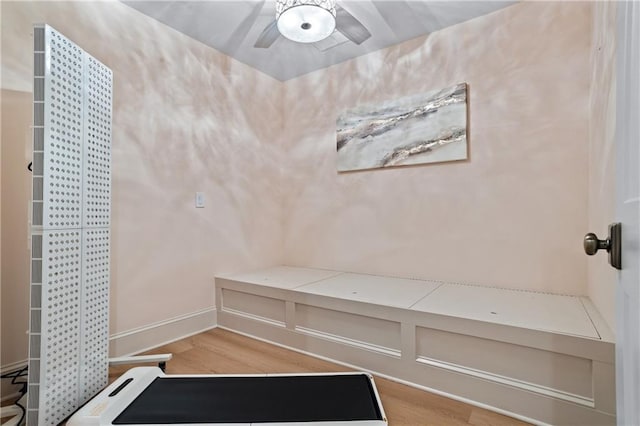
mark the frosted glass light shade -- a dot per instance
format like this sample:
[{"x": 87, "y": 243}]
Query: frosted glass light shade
[{"x": 306, "y": 21}]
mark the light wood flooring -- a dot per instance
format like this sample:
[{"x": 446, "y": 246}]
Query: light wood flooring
[{"x": 222, "y": 352}]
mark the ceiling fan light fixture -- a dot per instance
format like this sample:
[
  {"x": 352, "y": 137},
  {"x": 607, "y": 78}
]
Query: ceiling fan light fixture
[{"x": 306, "y": 21}]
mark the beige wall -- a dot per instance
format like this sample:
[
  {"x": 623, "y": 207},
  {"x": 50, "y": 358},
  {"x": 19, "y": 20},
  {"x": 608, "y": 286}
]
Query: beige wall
[
  {"x": 513, "y": 215},
  {"x": 15, "y": 111},
  {"x": 602, "y": 109},
  {"x": 186, "y": 119},
  {"x": 16, "y": 192}
]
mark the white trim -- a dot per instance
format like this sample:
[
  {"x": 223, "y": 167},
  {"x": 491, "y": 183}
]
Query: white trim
[
  {"x": 496, "y": 378},
  {"x": 140, "y": 359},
  {"x": 7, "y": 368},
  {"x": 254, "y": 317},
  {"x": 162, "y": 323},
  {"x": 151, "y": 336},
  {"x": 351, "y": 342},
  {"x": 393, "y": 379}
]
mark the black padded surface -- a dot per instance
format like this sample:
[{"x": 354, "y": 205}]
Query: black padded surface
[{"x": 253, "y": 400}]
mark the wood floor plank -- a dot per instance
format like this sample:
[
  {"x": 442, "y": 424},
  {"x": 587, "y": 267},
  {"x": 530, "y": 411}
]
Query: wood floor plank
[
  {"x": 424, "y": 405},
  {"x": 177, "y": 347},
  {"x": 220, "y": 351},
  {"x": 480, "y": 417},
  {"x": 274, "y": 352}
]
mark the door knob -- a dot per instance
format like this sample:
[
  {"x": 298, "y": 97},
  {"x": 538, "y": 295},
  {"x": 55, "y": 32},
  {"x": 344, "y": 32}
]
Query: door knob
[
  {"x": 592, "y": 244},
  {"x": 612, "y": 245}
]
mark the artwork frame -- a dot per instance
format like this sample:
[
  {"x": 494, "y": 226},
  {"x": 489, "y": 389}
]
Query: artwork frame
[{"x": 430, "y": 127}]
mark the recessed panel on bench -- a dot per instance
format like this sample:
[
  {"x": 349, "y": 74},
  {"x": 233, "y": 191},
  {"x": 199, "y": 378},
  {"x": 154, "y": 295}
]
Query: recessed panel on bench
[
  {"x": 520, "y": 364},
  {"x": 369, "y": 333},
  {"x": 255, "y": 307}
]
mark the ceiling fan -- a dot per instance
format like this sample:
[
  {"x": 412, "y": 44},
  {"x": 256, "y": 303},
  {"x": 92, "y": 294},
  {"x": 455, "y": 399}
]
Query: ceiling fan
[{"x": 308, "y": 21}]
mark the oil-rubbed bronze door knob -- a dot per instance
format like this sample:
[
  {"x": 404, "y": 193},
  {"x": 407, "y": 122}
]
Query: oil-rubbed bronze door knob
[
  {"x": 612, "y": 245},
  {"x": 592, "y": 244}
]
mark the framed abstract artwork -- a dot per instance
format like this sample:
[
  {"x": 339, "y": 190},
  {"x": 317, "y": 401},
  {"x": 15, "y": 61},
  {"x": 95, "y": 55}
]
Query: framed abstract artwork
[{"x": 426, "y": 128}]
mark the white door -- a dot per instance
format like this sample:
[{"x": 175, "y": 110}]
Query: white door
[{"x": 628, "y": 213}]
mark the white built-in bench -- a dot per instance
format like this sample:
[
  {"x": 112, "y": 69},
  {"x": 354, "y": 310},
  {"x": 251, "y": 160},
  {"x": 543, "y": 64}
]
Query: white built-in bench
[{"x": 541, "y": 357}]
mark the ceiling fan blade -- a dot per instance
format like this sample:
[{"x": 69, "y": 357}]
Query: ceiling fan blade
[
  {"x": 268, "y": 36},
  {"x": 241, "y": 31},
  {"x": 398, "y": 15},
  {"x": 350, "y": 27}
]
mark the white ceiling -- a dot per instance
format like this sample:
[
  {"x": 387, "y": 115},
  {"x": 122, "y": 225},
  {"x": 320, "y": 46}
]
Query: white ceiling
[{"x": 232, "y": 27}]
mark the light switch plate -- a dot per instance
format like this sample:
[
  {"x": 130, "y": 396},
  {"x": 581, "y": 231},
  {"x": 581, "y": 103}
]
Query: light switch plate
[{"x": 199, "y": 200}]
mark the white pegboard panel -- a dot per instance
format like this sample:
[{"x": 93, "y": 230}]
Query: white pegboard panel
[
  {"x": 60, "y": 324},
  {"x": 62, "y": 117},
  {"x": 94, "y": 359},
  {"x": 69, "y": 312},
  {"x": 97, "y": 149}
]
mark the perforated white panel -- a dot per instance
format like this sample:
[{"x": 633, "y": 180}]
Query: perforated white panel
[
  {"x": 97, "y": 152},
  {"x": 63, "y": 119},
  {"x": 59, "y": 360},
  {"x": 94, "y": 360},
  {"x": 69, "y": 314},
  {"x": 96, "y": 216}
]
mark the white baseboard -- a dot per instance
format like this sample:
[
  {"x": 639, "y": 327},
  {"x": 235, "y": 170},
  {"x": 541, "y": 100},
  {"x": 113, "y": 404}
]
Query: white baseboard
[
  {"x": 141, "y": 339},
  {"x": 7, "y": 368}
]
